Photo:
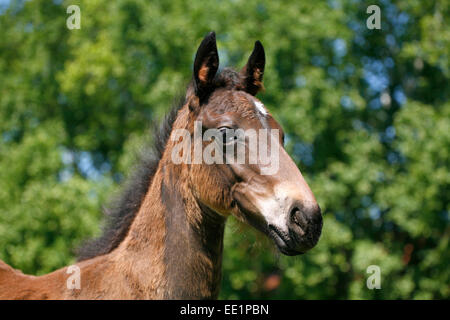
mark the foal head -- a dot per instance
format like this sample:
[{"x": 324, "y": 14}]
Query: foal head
[{"x": 269, "y": 193}]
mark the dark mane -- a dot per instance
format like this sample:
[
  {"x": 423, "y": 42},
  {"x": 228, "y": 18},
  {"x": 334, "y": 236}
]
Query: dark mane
[{"x": 121, "y": 212}]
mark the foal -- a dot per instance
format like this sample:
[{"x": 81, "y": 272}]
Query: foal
[{"x": 165, "y": 239}]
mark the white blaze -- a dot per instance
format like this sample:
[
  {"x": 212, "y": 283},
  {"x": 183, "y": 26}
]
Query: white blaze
[{"x": 274, "y": 208}]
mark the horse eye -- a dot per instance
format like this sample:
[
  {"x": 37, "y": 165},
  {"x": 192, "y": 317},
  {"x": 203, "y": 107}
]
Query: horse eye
[{"x": 228, "y": 134}]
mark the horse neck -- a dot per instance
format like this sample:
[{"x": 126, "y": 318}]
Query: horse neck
[{"x": 174, "y": 244}]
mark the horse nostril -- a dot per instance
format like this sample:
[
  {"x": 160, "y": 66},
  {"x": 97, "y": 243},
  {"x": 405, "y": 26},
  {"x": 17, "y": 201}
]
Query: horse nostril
[
  {"x": 298, "y": 218},
  {"x": 305, "y": 216},
  {"x": 305, "y": 226}
]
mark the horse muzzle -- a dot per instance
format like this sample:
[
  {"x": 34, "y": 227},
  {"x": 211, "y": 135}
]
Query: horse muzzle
[{"x": 302, "y": 232}]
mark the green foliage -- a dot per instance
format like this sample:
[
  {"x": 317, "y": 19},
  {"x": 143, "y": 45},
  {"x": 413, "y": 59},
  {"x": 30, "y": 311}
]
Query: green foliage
[{"x": 366, "y": 114}]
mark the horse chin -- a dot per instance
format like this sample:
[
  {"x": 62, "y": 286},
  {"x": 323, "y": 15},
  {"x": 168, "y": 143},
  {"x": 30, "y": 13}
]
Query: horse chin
[
  {"x": 288, "y": 252},
  {"x": 282, "y": 243}
]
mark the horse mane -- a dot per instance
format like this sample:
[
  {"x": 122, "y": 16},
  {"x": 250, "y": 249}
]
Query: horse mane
[{"x": 120, "y": 213}]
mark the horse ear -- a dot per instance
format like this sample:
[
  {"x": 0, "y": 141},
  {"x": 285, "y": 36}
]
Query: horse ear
[
  {"x": 206, "y": 64},
  {"x": 253, "y": 71}
]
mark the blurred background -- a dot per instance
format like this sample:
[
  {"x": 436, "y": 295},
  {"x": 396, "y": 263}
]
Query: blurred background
[{"x": 366, "y": 114}]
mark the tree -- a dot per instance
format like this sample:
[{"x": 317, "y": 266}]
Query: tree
[{"x": 366, "y": 114}]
